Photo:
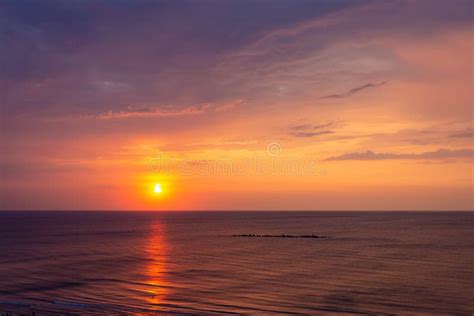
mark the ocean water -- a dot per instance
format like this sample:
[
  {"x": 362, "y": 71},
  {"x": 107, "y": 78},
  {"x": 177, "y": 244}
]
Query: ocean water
[{"x": 189, "y": 263}]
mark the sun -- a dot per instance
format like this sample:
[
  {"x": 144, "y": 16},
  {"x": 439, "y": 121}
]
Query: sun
[{"x": 157, "y": 188}]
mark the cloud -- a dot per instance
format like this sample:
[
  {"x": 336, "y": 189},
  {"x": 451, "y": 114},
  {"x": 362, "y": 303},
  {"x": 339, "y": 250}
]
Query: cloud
[
  {"x": 164, "y": 111},
  {"x": 464, "y": 134},
  {"x": 354, "y": 90},
  {"x": 323, "y": 125},
  {"x": 430, "y": 155},
  {"x": 310, "y": 126},
  {"x": 142, "y": 53},
  {"x": 310, "y": 134},
  {"x": 301, "y": 127},
  {"x": 145, "y": 111},
  {"x": 106, "y": 56},
  {"x": 310, "y": 130},
  {"x": 314, "y": 57}
]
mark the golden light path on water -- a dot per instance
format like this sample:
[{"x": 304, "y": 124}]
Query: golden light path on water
[{"x": 155, "y": 271}]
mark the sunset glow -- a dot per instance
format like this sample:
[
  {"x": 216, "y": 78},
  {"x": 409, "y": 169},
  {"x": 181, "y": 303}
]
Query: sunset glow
[{"x": 376, "y": 118}]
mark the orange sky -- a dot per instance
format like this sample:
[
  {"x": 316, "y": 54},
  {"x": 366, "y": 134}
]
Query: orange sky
[{"x": 364, "y": 106}]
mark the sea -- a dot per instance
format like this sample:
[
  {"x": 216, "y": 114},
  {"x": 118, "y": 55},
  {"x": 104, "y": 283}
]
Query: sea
[{"x": 198, "y": 263}]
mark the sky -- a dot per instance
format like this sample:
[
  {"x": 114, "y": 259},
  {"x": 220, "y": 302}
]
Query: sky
[{"x": 236, "y": 105}]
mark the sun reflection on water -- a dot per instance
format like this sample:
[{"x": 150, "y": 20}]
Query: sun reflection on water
[{"x": 156, "y": 268}]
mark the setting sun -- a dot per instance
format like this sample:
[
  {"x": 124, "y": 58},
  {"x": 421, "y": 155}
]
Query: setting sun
[{"x": 157, "y": 188}]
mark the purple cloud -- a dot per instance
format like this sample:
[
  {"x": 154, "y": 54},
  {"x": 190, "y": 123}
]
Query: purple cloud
[
  {"x": 430, "y": 155},
  {"x": 354, "y": 90},
  {"x": 464, "y": 134},
  {"x": 310, "y": 134}
]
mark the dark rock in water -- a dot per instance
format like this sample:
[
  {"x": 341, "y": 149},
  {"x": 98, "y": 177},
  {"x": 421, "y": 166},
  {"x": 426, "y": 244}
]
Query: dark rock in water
[{"x": 280, "y": 236}]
